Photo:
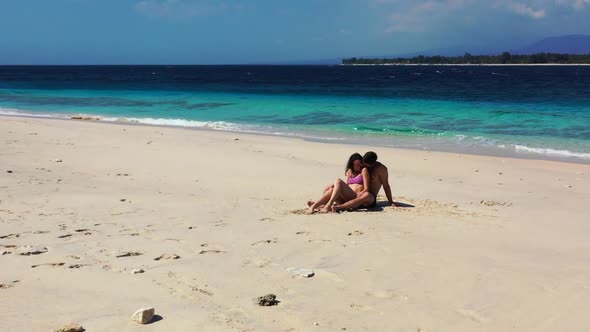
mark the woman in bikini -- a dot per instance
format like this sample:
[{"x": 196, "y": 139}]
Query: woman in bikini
[{"x": 357, "y": 179}]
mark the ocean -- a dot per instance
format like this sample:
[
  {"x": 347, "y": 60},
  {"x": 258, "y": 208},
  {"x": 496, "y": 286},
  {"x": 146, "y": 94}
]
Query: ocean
[{"x": 540, "y": 112}]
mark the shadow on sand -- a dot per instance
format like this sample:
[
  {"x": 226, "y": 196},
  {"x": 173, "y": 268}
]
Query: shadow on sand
[{"x": 381, "y": 206}]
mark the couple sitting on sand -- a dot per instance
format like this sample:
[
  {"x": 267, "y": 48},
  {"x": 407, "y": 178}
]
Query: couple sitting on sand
[{"x": 364, "y": 178}]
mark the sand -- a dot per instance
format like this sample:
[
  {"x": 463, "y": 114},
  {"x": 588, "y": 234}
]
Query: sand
[{"x": 213, "y": 219}]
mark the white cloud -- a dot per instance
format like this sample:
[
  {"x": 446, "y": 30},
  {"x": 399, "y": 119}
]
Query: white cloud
[
  {"x": 576, "y": 4},
  {"x": 419, "y": 17},
  {"x": 526, "y": 10},
  {"x": 429, "y": 15}
]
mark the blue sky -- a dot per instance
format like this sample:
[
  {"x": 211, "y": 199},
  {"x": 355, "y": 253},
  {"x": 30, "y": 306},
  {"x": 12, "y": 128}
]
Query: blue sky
[{"x": 258, "y": 31}]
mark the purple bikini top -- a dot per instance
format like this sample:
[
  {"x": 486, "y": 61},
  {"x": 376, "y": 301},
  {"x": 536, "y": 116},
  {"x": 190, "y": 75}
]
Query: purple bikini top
[{"x": 356, "y": 180}]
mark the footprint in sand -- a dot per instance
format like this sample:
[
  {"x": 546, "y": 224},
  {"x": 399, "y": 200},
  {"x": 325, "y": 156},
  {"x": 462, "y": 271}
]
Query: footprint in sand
[
  {"x": 275, "y": 240},
  {"x": 86, "y": 232},
  {"x": 129, "y": 254},
  {"x": 10, "y": 236},
  {"x": 356, "y": 233},
  {"x": 429, "y": 207},
  {"x": 220, "y": 223},
  {"x": 202, "y": 252},
  {"x": 167, "y": 256},
  {"x": 9, "y": 285},
  {"x": 28, "y": 250},
  {"x": 201, "y": 290},
  {"x": 49, "y": 264},
  {"x": 360, "y": 307}
]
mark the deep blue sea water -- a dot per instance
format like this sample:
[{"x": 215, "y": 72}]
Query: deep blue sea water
[{"x": 525, "y": 111}]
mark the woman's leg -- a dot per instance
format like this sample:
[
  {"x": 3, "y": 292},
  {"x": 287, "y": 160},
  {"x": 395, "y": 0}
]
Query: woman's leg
[
  {"x": 321, "y": 201},
  {"x": 341, "y": 192}
]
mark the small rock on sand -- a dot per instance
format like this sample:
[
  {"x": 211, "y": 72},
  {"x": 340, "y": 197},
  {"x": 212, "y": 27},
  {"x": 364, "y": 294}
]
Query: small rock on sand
[
  {"x": 71, "y": 327},
  {"x": 30, "y": 250},
  {"x": 9, "y": 171},
  {"x": 303, "y": 273},
  {"x": 137, "y": 271},
  {"x": 267, "y": 300},
  {"x": 143, "y": 315}
]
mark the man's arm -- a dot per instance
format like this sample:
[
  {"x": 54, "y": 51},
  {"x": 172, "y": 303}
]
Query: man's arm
[
  {"x": 385, "y": 181},
  {"x": 365, "y": 173}
]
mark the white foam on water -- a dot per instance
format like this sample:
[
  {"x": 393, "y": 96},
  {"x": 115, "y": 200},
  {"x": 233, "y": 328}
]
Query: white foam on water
[
  {"x": 15, "y": 112},
  {"x": 218, "y": 125},
  {"x": 553, "y": 152}
]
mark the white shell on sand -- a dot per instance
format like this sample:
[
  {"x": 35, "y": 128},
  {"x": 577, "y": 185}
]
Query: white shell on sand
[
  {"x": 143, "y": 315},
  {"x": 303, "y": 273}
]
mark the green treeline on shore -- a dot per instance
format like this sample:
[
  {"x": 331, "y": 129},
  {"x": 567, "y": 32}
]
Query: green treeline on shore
[{"x": 504, "y": 58}]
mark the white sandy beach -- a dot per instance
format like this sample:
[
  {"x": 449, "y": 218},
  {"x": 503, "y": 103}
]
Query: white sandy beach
[{"x": 485, "y": 244}]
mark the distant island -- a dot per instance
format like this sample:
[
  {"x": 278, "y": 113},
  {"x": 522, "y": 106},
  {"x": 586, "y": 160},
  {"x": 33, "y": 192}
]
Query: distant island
[{"x": 467, "y": 59}]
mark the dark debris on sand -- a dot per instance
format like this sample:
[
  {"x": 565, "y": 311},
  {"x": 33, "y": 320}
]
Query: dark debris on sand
[{"x": 267, "y": 300}]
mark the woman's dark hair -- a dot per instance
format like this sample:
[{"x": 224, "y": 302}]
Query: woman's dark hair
[{"x": 350, "y": 164}]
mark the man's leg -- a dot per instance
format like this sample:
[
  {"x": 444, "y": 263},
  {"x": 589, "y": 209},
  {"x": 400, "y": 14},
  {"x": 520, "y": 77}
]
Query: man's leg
[
  {"x": 341, "y": 191},
  {"x": 365, "y": 199}
]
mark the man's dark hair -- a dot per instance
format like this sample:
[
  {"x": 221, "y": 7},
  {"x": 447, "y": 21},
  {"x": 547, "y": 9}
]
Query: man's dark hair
[{"x": 370, "y": 157}]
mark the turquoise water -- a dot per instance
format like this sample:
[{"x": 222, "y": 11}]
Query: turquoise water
[{"x": 519, "y": 113}]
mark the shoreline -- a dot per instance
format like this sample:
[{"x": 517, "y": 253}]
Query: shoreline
[{"x": 445, "y": 147}]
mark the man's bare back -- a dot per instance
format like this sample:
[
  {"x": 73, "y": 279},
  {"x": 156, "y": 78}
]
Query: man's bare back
[{"x": 378, "y": 175}]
